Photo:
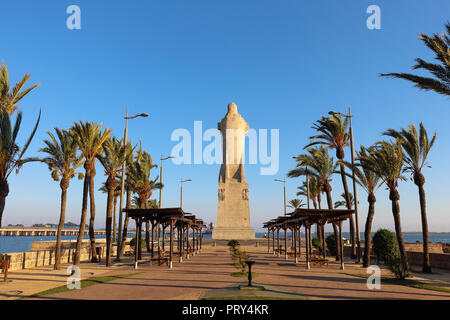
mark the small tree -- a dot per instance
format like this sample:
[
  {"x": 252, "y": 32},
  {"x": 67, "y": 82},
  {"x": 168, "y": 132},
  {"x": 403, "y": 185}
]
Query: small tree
[
  {"x": 316, "y": 243},
  {"x": 331, "y": 244},
  {"x": 385, "y": 246}
]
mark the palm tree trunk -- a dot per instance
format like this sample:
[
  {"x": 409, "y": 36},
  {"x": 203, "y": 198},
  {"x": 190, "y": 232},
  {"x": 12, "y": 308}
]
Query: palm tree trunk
[
  {"x": 64, "y": 185},
  {"x": 83, "y": 217},
  {"x": 92, "y": 212},
  {"x": 115, "y": 220},
  {"x": 423, "y": 212},
  {"x": 367, "y": 232},
  {"x": 319, "y": 200},
  {"x": 349, "y": 207},
  {"x": 398, "y": 228},
  {"x": 336, "y": 234},
  {"x": 125, "y": 224},
  {"x": 109, "y": 209},
  {"x": 4, "y": 191},
  {"x": 2, "y": 208}
]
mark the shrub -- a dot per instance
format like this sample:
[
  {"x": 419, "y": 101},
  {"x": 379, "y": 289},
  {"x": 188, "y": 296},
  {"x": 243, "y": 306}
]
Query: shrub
[
  {"x": 397, "y": 268},
  {"x": 331, "y": 244},
  {"x": 1, "y": 257},
  {"x": 133, "y": 242},
  {"x": 385, "y": 246},
  {"x": 233, "y": 243},
  {"x": 316, "y": 243}
]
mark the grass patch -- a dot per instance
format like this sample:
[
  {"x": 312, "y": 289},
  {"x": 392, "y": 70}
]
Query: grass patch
[
  {"x": 250, "y": 298},
  {"x": 84, "y": 283},
  {"x": 406, "y": 282},
  {"x": 244, "y": 274}
]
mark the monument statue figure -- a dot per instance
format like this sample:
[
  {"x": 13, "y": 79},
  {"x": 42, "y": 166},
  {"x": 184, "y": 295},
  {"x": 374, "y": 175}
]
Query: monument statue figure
[{"x": 233, "y": 212}]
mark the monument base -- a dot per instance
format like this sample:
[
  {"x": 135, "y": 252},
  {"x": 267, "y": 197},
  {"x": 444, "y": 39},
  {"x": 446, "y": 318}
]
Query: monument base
[{"x": 219, "y": 233}]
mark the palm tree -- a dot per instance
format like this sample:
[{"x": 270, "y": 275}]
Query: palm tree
[
  {"x": 10, "y": 153},
  {"x": 142, "y": 185},
  {"x": 416, "y": 147},
  {"x": 296, "y": 203},
  {"x": 90, "y": 139},
  {"x": 111, "y": 160},
  {"x": 62, "y": 161},
  {"x": 440, "y": 80},
  {"x": 342, "y": 203},
  {"x": 386, "y": 160},
  {"x": 151, "y": 203},
  {"x": 314, "y": 191},
  {"x": 319, "y": 165},
  {"x": 370, "y": 181},
  {"x": 333, "y": 133},
  {"x": 9, "y": 97}
]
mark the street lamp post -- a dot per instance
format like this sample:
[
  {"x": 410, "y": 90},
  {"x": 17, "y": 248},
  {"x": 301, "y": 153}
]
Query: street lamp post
[
  {"x": 284, "y": 192},
  {"x": 122, "y": 185},
  {"x": 355, "y": 197},
  {"x": 181, "y": 191},
  {"x": 161, "y": 175}
]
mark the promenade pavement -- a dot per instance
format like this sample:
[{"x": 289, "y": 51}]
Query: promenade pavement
[{"x": 212, "y": 269}]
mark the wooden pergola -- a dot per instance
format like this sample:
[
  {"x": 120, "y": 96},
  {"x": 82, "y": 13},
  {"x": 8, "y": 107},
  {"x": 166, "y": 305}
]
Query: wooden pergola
[
  {"x": 305, "y": 218},
  {"x": 178, "y": 221}
]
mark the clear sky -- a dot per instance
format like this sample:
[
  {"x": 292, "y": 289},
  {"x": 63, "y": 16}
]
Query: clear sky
[{"x": 284, "y": 63}]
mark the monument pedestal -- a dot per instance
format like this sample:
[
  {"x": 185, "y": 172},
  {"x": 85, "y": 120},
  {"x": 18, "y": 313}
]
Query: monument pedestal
[{"x": 233, "y": 233}]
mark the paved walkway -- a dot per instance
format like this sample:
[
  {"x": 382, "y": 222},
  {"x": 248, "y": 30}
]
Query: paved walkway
[{"x": 211, "y": 270}]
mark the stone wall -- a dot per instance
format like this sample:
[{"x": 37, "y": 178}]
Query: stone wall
[
  {"x": 438, "y": 259},
  {"x": 43, "y": 254}
]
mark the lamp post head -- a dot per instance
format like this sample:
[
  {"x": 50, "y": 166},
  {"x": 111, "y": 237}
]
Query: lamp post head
[
  {"x": 169, "y": 157},
  {"x": 144, "y": 115}
]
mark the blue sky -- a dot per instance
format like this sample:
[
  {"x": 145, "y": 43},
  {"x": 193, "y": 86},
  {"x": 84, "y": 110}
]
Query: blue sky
[{"x": 284, "y": 63}]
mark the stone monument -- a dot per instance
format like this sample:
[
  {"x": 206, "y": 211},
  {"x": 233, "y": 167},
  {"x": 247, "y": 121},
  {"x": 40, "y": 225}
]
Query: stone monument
[{"x": 233, "y": 213}]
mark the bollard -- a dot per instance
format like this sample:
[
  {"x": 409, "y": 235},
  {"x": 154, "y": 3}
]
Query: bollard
[{"x": 249, "y": 263}]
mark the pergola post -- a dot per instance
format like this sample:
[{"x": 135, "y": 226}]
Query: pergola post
[
  {"x": 163, "y": 236},
  {"x": 294, "y": 233},
  {"x": 201, "y": 238},
  {"x": 193, "y": 241},
  {"x": 187, "y": 241},
  {"x": 307, "y": 236},
  {"x": 273, "y": 240},
  {"x": 268, "y": 240},
  {"x": 299, "y": 240},
  {"x": 153, "y": 237},
  {"x": 285, "y": 243},
  {"x": 197, "y": 241},
  {"x": 158, "y": 227},
  {"x": 278, "y": 240},
  {"x": 324, "y": 248},
  {"x": 341, "y": 245},
  {"x": 180, "y": 240},
  {"x": 172, "y": 221},
  {"x": 292, "y": 236},
  {"x": 139, "y": 241},
  {"x": 136, "y": 247}
]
